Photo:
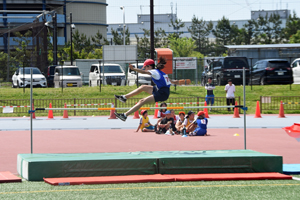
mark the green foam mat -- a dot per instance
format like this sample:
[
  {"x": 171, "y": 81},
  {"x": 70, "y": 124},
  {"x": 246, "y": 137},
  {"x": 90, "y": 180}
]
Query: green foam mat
[{"x": 35, "y": 167}]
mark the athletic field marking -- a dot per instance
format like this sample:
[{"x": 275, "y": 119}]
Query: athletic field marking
[{"x": 140, "y": 188}]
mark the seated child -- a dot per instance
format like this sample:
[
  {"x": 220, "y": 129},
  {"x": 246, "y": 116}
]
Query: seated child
[
  {"x": 166, "y": 123},
  {"x": 179, "y": 124},
  {"x": 161, "y": 112},
  {"x": 145, "y": 124},
  {"x": 199, "y": 126},
  {"x": 189, "y": 119}
]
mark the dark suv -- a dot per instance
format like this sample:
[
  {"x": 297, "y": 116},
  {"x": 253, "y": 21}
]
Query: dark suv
[
  {"x": 222, "y": 69},
  {"x": 272, "y": 71},
  {"x": 50, "y": 75}
]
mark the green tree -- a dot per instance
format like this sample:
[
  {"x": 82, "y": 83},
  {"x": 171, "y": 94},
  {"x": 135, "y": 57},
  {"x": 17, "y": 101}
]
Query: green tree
[
  {"x": 22, "y": 53},
  {"x": 248, "y": 31},
  {"x": 177, "y": 24},
  {"x": 143, "y": 43},
  {"x": 295, "y": 38},
  {"x": 182, "y": 47},
  {"x": 268, "y": 30},
  {"x": 199, "y": 30},
  {"x": 292, "y": 26},
  {"x": 222, "y": 32},
  {"x": 99, "y": 40},
  {"x": 118, "y": 37}
]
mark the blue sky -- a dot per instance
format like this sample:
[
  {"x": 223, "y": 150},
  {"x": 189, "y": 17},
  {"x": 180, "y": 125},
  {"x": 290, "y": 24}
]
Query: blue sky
[{"x": 208, "y": 10}]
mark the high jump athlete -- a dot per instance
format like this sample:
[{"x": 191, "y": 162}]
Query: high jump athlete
[{"x": 160, "y": 92}]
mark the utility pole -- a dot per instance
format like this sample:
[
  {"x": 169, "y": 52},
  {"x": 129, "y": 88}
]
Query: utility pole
[
  {"x": 54, "y": 20},
  {"x": 71, "y": 38},
  {"x": 151, "y": 30},
  {"x": 8, "y": 52}
]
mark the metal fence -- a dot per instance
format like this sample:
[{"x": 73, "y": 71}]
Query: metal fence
[
  {"x": 73, "y": 103},
  {"x": 273, "y": 103}
]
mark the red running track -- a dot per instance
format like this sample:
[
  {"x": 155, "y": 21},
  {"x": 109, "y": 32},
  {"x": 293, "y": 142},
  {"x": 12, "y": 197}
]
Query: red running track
[{"x": 12, "y": 143}]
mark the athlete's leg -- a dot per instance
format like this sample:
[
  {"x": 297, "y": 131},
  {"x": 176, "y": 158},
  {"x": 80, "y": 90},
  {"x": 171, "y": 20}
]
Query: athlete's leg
[
  {"x": 149, "y": 99},
  {"x": 142, "y": 88}
]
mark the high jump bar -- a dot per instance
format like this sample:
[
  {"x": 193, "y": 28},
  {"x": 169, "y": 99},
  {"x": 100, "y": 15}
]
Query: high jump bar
[{"x": 142, "y": 108}]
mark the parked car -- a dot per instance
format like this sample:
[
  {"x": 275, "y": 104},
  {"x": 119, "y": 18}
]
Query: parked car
[
  {"x": 67, "y": 76},
  {"x": 113, "y": 75},
  {"x": 296, "y": 70},
  {"x": 222, "y": 69},
  {"x": 21, "y": 78},
  {"x": 50, "y": 75},
  {"x": 144, "y": 79},
  {"x": 270, "y": 71}
]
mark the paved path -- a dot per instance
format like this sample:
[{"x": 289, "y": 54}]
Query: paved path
[{"x": 94, "y": 123}]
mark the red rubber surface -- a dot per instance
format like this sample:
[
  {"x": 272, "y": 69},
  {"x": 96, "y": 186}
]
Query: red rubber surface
[
  {"x": 12, "y": 143},
  {"x": 164, "y": 178},
  {"x": 109, "y": 179},
  {"x": 7, "y": 177}
]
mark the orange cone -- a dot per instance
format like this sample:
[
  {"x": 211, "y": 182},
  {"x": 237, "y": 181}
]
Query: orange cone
[
  {"x": 112, "y": 113},
  {"x": 65, "y": 116},
  {"x": 156, "y": 111},
  {"x": 50, "y": 113},
  {"x": 281, "y": 110},
  {"x": 205, "y": 110},
  {"x": 33, "y": 114},
  {"x": 136, "y": 115},
  {"x": 236, "y": 113},
  {"x": 257, "y": 112}
]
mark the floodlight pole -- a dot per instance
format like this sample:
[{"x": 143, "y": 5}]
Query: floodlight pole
[
  {"x": 99, "y": 74},
  {"x": 54, "y": 20},
  {"x": 31, "y": 108}
]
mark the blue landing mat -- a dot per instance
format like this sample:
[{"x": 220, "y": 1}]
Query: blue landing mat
[{"x": 291, "y": 168}]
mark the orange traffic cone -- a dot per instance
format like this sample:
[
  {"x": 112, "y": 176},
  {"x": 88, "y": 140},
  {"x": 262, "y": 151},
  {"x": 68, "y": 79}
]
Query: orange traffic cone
[
  {"x": 112, "y": 113},
  {"x": 33, "y": 114},
  {"x": 136, "y": 115},
  {"x": 236, "y": 113},
  {"x": 257, "y": 112},
  {"x": 281, "y": 110},
  {"x": 205, "y": 110},
  {"x": 156, "y": 111},
  {"x": 50, "y": 113},
  {"x": 65, "y": 116}
]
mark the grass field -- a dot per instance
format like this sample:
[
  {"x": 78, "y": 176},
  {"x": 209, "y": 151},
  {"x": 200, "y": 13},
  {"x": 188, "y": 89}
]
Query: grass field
[
  {"x": 264, "y": 189},
  {"x": 7, "y": 93}
]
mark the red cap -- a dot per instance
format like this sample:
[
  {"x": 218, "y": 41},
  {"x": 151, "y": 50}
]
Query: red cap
[
  {"x": 148, "y": 62},
  {"x": 143, "y": 111},
  {"x": 200, "y": 113},
  {"x": 181, "y": 112}
]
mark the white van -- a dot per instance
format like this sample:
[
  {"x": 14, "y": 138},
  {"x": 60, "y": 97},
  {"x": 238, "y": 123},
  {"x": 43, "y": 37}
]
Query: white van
[
  {"x": 144, "y": 79},
  {"x": 113, "y": 75},
  {"x": 296, "y": 70},
  {"x": 67, "y": 76}
]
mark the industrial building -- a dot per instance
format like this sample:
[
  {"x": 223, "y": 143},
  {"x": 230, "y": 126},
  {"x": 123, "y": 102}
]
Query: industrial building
[
  {"x": 89, "y": 17},
  {"x": 164, "y": 20}
]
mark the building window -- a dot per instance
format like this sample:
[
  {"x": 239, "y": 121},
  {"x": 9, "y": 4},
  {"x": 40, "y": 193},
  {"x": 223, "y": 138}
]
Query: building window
[
  {"x": 119, "y": 29},
  {"x": 176, "y": 28}
]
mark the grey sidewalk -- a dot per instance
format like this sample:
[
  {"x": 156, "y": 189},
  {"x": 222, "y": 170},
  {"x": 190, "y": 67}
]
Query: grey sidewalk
[{"x": 88, "y": 123}]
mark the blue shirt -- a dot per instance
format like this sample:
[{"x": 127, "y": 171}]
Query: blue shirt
[
  {"x": 201, "y": 126},
  {"x": 160, "y": 78}
]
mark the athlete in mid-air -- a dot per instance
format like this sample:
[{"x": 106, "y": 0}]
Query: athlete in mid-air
[{"x": 160, "y": 92}]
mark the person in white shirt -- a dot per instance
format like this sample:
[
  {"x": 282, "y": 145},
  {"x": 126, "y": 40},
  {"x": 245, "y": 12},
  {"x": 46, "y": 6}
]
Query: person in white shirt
[{"x": 230, "y": 89}]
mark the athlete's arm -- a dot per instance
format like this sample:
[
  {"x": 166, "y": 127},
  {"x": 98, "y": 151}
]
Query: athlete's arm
[{"x": 139, "y": 70}]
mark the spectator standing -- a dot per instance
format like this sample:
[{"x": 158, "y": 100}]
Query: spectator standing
[
  {"x": 209, "y": 98},
  {"x": 230, "y": 89}
]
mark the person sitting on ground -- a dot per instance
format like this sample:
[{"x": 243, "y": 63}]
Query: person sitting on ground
[
  {"x": 165, "y": 124},
  {"x": 179, "y": 124},
  {"x": 174, "y": 116},
  {"x": 145, "y": 124},
  {"x": 161, "y": 112},
  {"x": 188, "y": 120},
  {"x": 199, "y": 126}
]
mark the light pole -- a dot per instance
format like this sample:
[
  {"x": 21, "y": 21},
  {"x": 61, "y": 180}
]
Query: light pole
[
  {"x": 71, "y": 28},
  {"x": 123, "y": 8}
]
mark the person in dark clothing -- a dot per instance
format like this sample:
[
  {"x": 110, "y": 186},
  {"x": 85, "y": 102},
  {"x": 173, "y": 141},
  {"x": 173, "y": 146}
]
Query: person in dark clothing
[
  {"x": 209, "y": 98},
  {"x": 166, "y": 123}
]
